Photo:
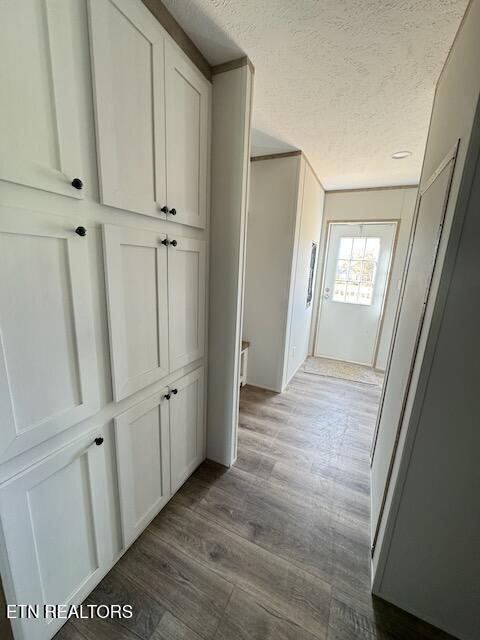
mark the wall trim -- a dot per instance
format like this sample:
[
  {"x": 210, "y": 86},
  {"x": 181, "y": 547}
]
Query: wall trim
[
  {"x": 173, "y": 28},
  {"x": 400, "y": 186},
  {"x": 274, "y": 156},
  {"x": 233, "y": 64}
]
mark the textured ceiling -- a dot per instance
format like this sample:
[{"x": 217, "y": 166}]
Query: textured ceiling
[{"x": 348, "y": 82}]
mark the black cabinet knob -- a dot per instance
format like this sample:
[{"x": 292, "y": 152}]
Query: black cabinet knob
[
  {"x": 77, "y": 183},
  {"x": 167, "y": 396},
  {"x": 173, "y": 243},
  {"x": 164, "y": 209},
  {"x": 173, "y": 212},
  {"x": 165, "y": 242},
  {"x": 174, "y": 391},
  {"x": 81, "y": 231},
  {"x": 98, "y": 441}
]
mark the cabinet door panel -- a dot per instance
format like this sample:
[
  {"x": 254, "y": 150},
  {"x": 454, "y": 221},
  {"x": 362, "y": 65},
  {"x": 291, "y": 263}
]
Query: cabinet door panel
[
  {"x": 143, "y": 462},
  {"x": 129, "y": 88},
  {"x": 47, "y": 349},
  {"x": 136, "y": 281},
  {"x": 40, "y": 142},
  {"x": 55, "y": 527},
  {"x": 187, "y": 126},
  {"x": 186, "y": 427},
  {"x": 186, "y": 290}
]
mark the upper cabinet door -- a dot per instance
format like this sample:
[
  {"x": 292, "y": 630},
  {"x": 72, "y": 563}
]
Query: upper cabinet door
[
  {"x": 39, "y": 123},
  {"x": 186, "y": 293},
  {"x": 56, "y": 532},
  {"x": 143, "y": 463},
  {"x": 48, "y": 368},
  {"x": 128, "y": 76},
  {"x": 136, "y": 282},
  {"x": 187, "y": 127}
]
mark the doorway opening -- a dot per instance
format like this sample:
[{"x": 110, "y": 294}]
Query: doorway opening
[{"x": 353, "y": 290}]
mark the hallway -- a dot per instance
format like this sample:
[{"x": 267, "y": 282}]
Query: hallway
[{"x": 277, "y": 547}]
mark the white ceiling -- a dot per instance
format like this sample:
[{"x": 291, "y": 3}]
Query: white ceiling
[{"x": 347, "y": 81}]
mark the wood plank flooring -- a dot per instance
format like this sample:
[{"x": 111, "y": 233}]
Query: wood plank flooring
[{"x": 275, "y": 548}]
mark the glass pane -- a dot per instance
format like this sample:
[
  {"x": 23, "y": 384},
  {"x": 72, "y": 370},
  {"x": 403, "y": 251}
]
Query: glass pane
[
  {"x": 368, "y": 275},
  {"x": 345, "y": 250},
  {"x": 372, "y": 248},
  {"x": 358, "y": 249},
  {"x": 355, "y": 271},
  {"x": 339, "y": 292},
  {"x": 342, "y": 270},
  {"x": 352, "y": 292},
  {"x": 365, "y": 293}
]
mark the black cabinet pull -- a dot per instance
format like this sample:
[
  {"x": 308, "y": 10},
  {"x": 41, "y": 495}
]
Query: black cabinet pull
[
  {"x": 77, "y": 183},
  {"x": 98, "y": 441},
  {"x": 81, "y": 231},
  {"x": 167, "y": 396},
  {"x": 173, "y": 212},
  {"x": 173, "y": 243},
  {"x": 174, "y": 391},
  {"x": 165, "y": 242},
  {"x": 164, "y": 209}
]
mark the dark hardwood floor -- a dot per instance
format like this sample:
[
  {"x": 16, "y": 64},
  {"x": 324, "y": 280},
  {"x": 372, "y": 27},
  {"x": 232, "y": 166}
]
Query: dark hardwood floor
[{"x": 275, "y": 548}]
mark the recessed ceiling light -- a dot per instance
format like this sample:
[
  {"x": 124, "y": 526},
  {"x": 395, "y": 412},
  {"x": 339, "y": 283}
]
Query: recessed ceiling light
[{"x": 399, "y": 155}]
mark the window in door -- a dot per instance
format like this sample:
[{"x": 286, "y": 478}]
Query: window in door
[{"x": 355, "y": 270}]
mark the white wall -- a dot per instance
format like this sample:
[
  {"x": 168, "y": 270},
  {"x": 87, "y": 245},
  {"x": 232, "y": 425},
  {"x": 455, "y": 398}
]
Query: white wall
[
  {"x": 427, "y": 558},
  {"x": 271, "y": 235},
  {"x": 231, "y": 99},
  {"x": 374, "y": 204},
  {"x": 309, "y": 224}
]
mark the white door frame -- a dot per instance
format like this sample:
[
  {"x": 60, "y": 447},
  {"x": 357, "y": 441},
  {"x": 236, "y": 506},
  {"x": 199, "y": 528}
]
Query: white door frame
[{"x": 321, "y": 281}]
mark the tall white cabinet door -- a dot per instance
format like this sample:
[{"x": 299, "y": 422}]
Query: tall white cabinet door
[
  {"x": 48, "y": 368},
  {"x": 186, "y": 292},
  {"x": 38, "y": 116},
  {"x": 55, "y": 527},
  {"x": 128, "y": 76},
  {"x": 187, "y": 427},
  {"x": 143, "y": 463},
  {"x": 136, "y": 282},
  {"x": 187, "y": 127}
]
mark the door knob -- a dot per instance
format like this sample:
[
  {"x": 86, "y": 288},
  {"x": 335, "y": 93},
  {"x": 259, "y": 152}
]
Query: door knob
[
  {"x": 81, "y": 231},
  {"x": 173, "y": 212},
  {"x": 174, "y": 391},
  {"x": 98, "y": 441},
  {"x": 77, "y": 183},
  {"x": 165, "y": 242},
  {"x": 164, "y": 209},
  {"x": 167, "y": 396},
  {"x": 174, "y": 243}
]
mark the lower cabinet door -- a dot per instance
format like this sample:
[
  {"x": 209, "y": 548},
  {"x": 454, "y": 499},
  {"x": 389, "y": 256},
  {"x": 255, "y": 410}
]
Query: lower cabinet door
[
  {"x": 56, "y": 533},
  {"x": 143, "y": 462},
  {"x": 186, "y": 426}
]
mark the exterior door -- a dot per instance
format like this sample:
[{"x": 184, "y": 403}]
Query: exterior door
[
  {"x": 38, "y": 115},
  {"x": 187, "y": 126},
  {"x": 55, "y": 528},
  {"x": 48, "y": 367},
  {"x": 186, "y": 295},
  {"x": 143, "y": 462},
  {"x": 187, "y": 433},
  {"x": 137, "y": 298},
  {"x": 355, "y": 280},
  {"x": 129, "y": 93}
]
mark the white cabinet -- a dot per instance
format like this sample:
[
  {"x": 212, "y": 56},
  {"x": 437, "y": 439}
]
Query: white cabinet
[
  {"x": 187, "y": 127},
  {"x": 152, "y": 109},
  {"x": 48, "y": 369},
  {"x": 136, "y": 283},
  {"x": 156, "y": 305},
  {"x": 143, "y": 462},
  {"x": 186, "y": 295},
  {"x": 55, "y": 528},
  {"x": 39, "y": 123},
  {"x": 187, "y": 432},
  {"x": 128, "y": 73}
]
